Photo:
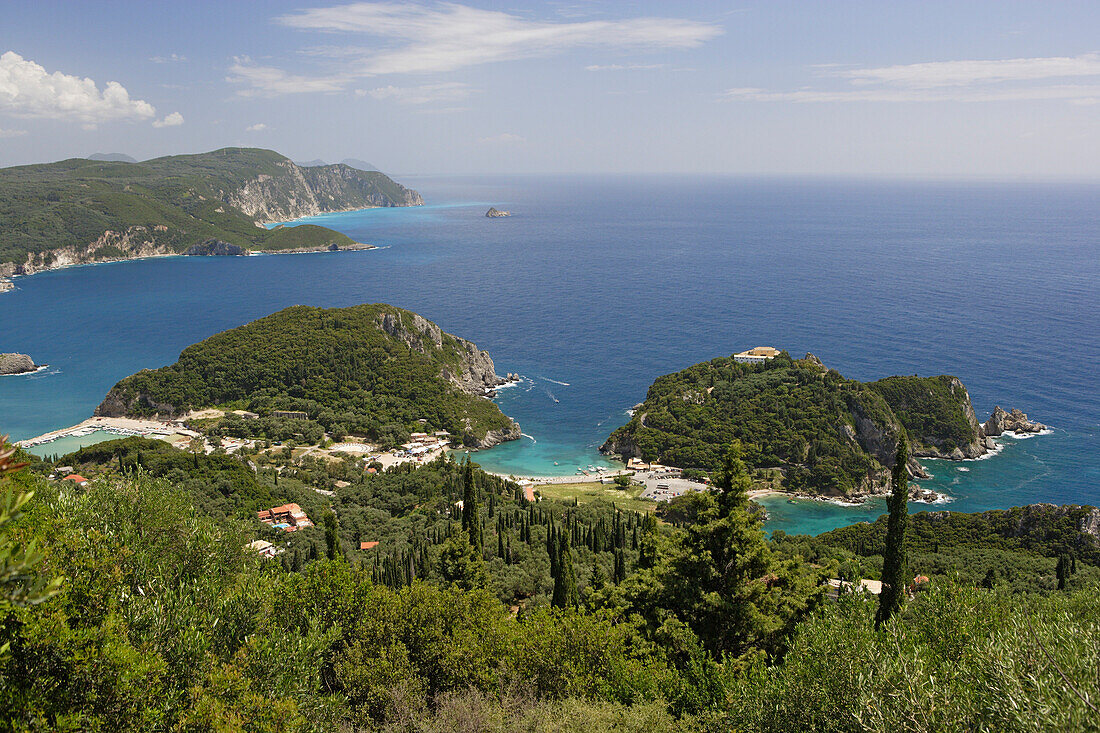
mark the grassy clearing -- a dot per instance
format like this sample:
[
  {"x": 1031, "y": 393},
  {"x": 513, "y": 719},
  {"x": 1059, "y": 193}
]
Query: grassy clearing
[{"x": 587, "y": 492}]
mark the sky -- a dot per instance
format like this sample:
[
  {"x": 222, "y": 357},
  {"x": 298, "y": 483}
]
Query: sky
[{"x": 968, "y": 90}]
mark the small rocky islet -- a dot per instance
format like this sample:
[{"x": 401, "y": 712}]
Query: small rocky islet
[{"x": 17, "y": 364}]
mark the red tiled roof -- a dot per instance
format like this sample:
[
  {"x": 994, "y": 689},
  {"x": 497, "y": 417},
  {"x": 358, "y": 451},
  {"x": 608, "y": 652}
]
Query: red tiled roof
[
  {"x": 367, "y": 545},
  {"x": 75, "y": 477}
]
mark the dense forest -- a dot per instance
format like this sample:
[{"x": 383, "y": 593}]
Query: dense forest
[
  {"x": 133, "y": 604},
  {"x": 340, "y": 366},
  {"x": 175, "y": 202},
  {"x": 828, "y": 434}
]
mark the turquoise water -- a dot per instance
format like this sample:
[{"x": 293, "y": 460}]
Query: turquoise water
[
  {"x": 62, "y": 446},
  {"x": 595, "y": 286}
]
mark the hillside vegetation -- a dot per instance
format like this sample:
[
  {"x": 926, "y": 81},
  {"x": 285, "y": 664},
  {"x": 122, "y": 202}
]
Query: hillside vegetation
[
  {"x": 831, "y": 435},
  {"x": 161, "y": 620},
  {"x": 371, "y": 370},
  {"x": 81, "y": 210}
]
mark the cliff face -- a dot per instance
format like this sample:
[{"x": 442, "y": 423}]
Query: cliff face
[
  {"x": 298, "y": 192},
  {"x": 112, "y": 246},
  {"x": 475, "y": 372}
]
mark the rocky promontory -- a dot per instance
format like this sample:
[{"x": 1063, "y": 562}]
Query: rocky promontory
[
  {"x": 216, "y": 248},
  {"x": 16, "y": 364},
  {"x": 1010, "y": 422},
  {"x": 495, "y": 213}
]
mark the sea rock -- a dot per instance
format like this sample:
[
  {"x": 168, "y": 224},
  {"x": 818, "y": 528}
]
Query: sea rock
[
  {"x": 216, "y": 248},
  {"x": 494, "y": 213},
  {"x": 814, "y": 360},
  {"x": 16, "y": 364},
  {"x": 1013, "y": 422}
]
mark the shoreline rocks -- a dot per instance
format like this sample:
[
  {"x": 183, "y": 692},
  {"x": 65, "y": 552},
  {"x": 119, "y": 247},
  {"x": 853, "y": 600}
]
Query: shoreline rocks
[
  {"x": 17, "y": 364},
  {"x": 1015, "y": 421}
]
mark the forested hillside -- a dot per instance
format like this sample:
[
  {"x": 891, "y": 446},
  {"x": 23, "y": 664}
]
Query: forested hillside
[
  {"x": 829, "y": 435},
  {"x": 159, "y": 618},
  {"x": 81, "y": 210},
  {"x": 372, "y": 370}
]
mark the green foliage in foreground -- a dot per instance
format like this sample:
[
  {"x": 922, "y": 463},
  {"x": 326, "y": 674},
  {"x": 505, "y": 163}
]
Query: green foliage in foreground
[
  {"x": 180, "y": 201},
  {"x": 337, "y": 365},
  {"x": 164, "y": 622}
]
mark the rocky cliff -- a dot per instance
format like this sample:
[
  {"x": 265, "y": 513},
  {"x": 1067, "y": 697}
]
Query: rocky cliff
[
  {"x": 16, "y": 364},
  {"x": 474, "y": 373},
  {"x": 297, "y": 192}
]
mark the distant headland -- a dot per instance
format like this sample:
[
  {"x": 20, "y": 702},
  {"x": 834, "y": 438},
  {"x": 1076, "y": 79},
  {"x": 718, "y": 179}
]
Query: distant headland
[{"x": 82, "y": 211}]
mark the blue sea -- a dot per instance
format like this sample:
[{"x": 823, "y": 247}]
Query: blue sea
[{"x": 594, "y": 286}]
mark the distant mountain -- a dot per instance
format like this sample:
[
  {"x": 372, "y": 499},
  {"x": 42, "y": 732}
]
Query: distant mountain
[
  {"x": 112, "y": 157},
  {"x": 360, "y": 164},
  {"x": 315, "y": 163},
  {"x": 79, "y": 210}
]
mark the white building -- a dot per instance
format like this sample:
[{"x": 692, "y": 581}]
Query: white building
[{"x": 757, "y": 355}]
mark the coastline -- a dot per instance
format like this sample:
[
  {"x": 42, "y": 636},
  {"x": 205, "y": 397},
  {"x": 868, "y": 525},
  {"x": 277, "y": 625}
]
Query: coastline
[{"x": 354, "y": 247}]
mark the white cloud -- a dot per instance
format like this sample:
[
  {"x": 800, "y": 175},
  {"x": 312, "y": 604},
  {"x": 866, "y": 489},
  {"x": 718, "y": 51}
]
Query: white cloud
[
  {"x": 174, "y": 119},
  {"x": 504, "y": 138},
  {"x": 1006, "y": 80},
  {"x": 965, "y": 73},
  {"x": 422, "y": 94},
  {"x": 270, "y": 81},
  {"x": 11, "y": 133},
  {"x": 28, "y": 90},
  {"x": 449, "y": 36},
  {"x": 258, "y": 127},
  {"x": 172, "y": 58},
  {"x": 624, "y": 67}
]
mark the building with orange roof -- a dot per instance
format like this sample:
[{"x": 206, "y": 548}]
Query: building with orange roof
[
  {"x": 288, "y": 517},
  {"x": 76, "y": 478},
  {"x": 368, "y": 545}
]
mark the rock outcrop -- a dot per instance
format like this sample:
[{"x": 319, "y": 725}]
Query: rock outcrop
[
  {"x": 216, "y": 248},
  {"x": 1009, "y": 422},
  {"x": 495, "y": 213},
  {"x": 496, "y": 437},
  {"x": 475, "y": 374},
  {"x": 16, "y": 364}
]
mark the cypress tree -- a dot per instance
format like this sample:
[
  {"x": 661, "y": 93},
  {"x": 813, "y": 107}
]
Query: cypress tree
[
  {"x": 620, "y": 567},
  {"x": 470, "y": 520},
  {"x": 332, "y": 534},
  {"x": 500, "y": 544},
  {"x": 565, "y": 583},
  {"x": 893, "y": 558}
]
